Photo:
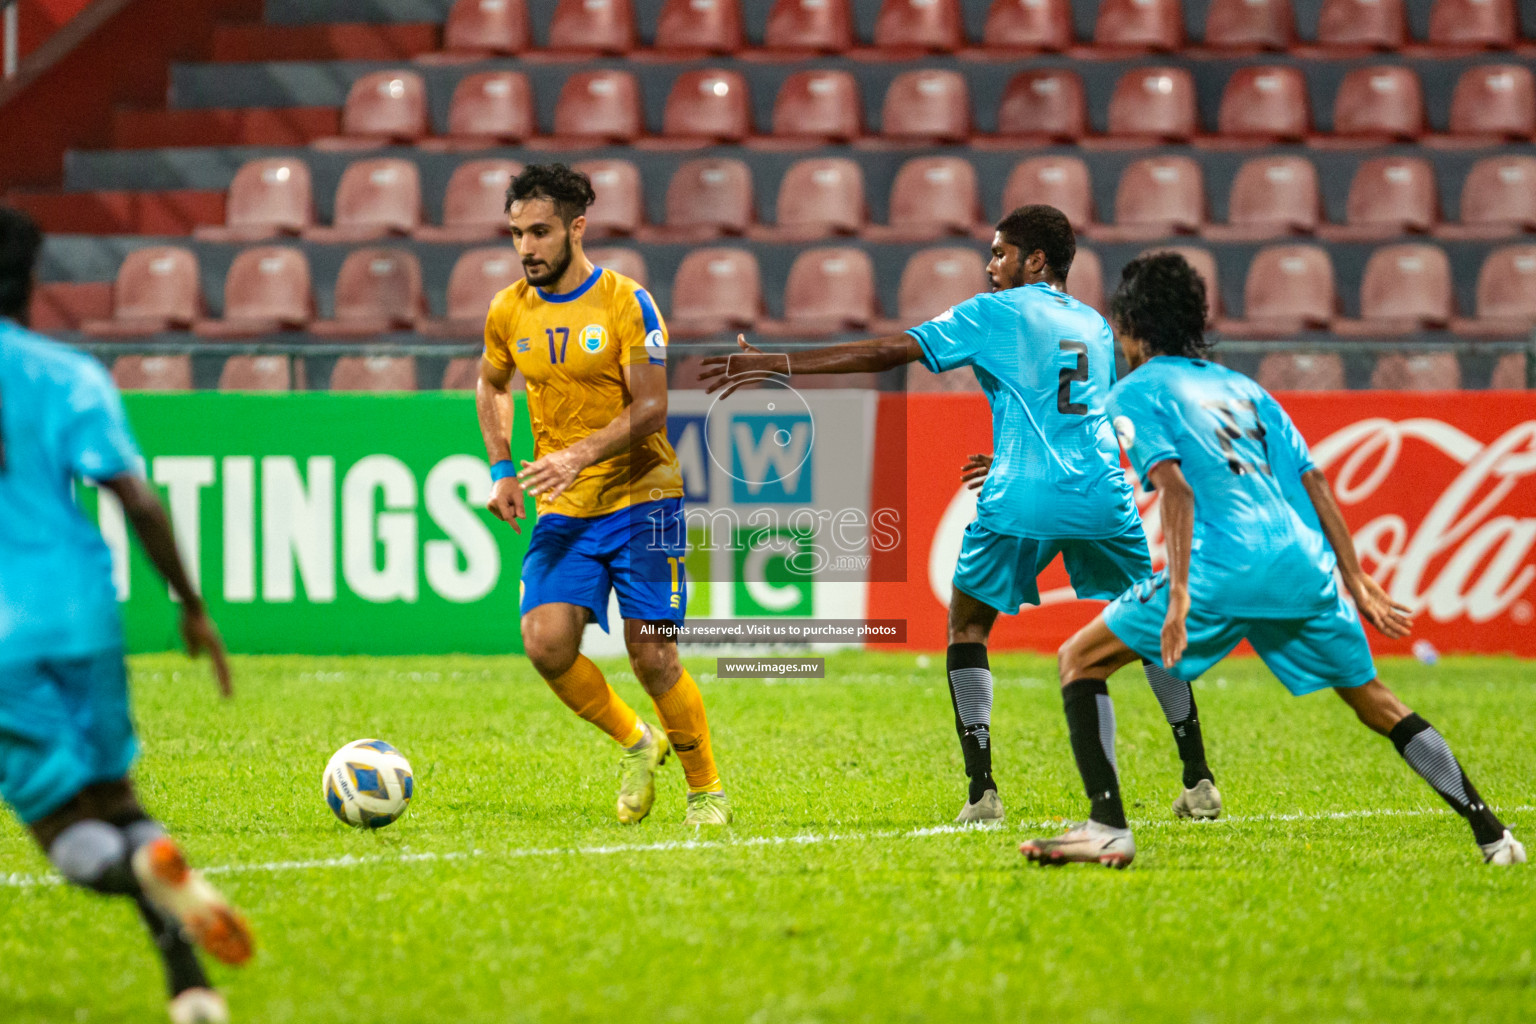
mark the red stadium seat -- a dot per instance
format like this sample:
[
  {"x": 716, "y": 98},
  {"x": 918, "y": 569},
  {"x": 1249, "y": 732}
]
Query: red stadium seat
[
  {"x": 591, "y": 27},
  {"x": 1362, "y": 25},
  {"x": 1157, "y": 196},
  {"x": 64, "y": 305},
  {"x": 157, "y": 289},
  {"x": 814, "y": 108},
  {"x": 490, "y": 108},
  {"x": 716, "y": 291},
  {"x": 706, "y": 108},
  {"x": 476, "y": 278},
  {"x": 1474, "y": 24},
  {"x": 1042, "y": 107},
  {"x": 1274, "y": 195},
  {"x": 375, "y": 198},
  {"x": 936, "y": 279},
  {"x": 817, "y": 198},
  {"x": 1289, "y": 289},
  {"x": 620, "y": 205},
  {"x": 597, "y": 108},
  {"x": 1204, "y": 264},
  {"x": 911, "y": 27},
  {"x": 474, "y": 202},
  {"x": 932, "y": 107},
  {"x": 931, "y": 196},
  {"x": 809, "y": 27},
  {"x": 385, "y": 107},
  {"x": 1152, "y": 105},
  {"x": 483, "y": 28},
  {"x": 266, "y": 198},
  {"x": 1498, "y": 199},
  {"x": 1494, "y": 103},
  {"x": 1250, "y": 25},
  {"x": 1389, "y": 196},
  {"x": 690, "y": 28},
  {"x": 1437, "y": 371},
  {"x": 374, "y": 373},
  {"x": 708, "y": 198},
  {"x": 377, "y": 290},
  {"x": 1028, "y": 26},
  {"x": 1085, "y": 281},
  {"x": 1265, "y": 104},
  {"x": 1378, "y": 104},
  {"x": 622, "y": 261},
  {"x": 1405, "y": 288},
  {"x": 1301, "y": 371},
  {"x": 267, "y": 290},
  {"x": 153, "y": 373},
  {"x": 461, "y": 374},
  {"x": 829, "y": 290},
  {"x": 1506, "y": 294},
  {"x": 1059, "y": 181},
  {"x": 1139, "y": 25},
  {"x": 259, "y": 373}
]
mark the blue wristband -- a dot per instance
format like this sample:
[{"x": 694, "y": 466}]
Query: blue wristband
[{"x": 502, "y": 470}]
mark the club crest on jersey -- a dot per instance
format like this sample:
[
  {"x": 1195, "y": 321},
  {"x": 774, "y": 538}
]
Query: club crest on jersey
[
  {"x": 593, "y": 338},
  {"x": 1125, "y": 430}
]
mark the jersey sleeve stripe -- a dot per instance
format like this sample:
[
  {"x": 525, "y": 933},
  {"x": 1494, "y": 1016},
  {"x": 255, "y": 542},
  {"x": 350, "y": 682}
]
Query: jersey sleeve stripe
[{"x": 647, "y": 311}]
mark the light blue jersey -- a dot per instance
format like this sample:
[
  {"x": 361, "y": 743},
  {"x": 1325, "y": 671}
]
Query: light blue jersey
[
  {"x": 60, "y": 419},
  {"x": 1046, "y": 363},
  {"x": 1255, "y": 554}
]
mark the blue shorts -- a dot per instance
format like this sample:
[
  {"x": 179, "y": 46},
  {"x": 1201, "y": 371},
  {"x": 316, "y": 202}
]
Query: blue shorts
[
  {"x": 1326, "y": 650},
  {"x": 64, "y": 724},
  {"x": 637, "y": 551},
  {"x": 1000, "y": 570}
]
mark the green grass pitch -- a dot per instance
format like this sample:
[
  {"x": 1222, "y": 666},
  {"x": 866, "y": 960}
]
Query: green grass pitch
[{"x": 1340, "y": 888}]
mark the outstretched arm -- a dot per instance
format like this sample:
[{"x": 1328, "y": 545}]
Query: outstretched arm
[
  {"x": 1178, "y": 514},
  {"x": 869, "y": 356},
  {"x": 1376, "y": 607}
]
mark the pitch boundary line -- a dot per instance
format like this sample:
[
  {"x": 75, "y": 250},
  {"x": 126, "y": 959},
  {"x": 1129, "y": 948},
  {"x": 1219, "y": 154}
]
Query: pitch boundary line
[{"x": 28, "y": 881}]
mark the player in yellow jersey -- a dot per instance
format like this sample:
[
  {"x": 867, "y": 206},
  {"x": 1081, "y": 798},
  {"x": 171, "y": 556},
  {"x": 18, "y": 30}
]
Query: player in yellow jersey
[{"x": 592, "y": 348}]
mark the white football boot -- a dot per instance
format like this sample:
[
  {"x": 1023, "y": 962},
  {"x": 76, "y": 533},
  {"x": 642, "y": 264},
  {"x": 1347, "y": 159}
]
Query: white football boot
[
  {"x": 986, "y": 811},
  {"x": 1503, "y": 852},
  {"x": 1085, "y": 843},
  {"x": 1202, "y": 802},
  {"x": 199, "y": 1006}
]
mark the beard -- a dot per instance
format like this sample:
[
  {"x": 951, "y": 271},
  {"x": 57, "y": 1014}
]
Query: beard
[
  {"x": 556, "y": 269},
  {"x": 1016, "y": 281}
]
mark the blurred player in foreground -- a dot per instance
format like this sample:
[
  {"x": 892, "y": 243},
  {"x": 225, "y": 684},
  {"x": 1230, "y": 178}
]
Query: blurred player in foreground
[
  {"x": 66, "y": 737},
  {"x": 1052, "y": 485},
  {"x": 593, "y": 349},
  {"x": 1249, "y": 522}
]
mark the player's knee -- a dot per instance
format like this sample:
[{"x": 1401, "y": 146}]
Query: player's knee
[
  {"x": 113, "y": 801},
  {"x": 551, "y": 652},
  {"x": 1069, "y": 662},
  {"x": 655, "y": 665}
]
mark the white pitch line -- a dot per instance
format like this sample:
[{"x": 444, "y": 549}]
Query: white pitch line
[{"x": 27, "y": 881}]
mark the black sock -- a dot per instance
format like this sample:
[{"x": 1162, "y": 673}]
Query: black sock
[
  {"x": 182, "y": 971},
  {"x": 1178, "y": 703},
  {"x": 1091, "y": 723},
  {"x": 1427, "y": 753},
  {"x": 970, "y": 689}
]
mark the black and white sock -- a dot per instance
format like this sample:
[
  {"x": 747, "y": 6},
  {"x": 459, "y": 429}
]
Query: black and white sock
[
  {"x": 1178, "y": 703},
  {"x": 1091, "y": 723},
  {"x": 182, "y": 970},
  {"x": 1427, "y": 753},
  {"x": 970, "y": 688},
  {"x": 94, "y": 855}
]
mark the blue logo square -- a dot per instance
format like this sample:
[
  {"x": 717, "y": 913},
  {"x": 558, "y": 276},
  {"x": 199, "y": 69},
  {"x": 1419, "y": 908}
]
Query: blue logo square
[{"x": 772, "y": 458}]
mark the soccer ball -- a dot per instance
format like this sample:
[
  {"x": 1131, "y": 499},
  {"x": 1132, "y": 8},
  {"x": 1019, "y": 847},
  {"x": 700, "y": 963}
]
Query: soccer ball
[{"x": 367, "y": 784}]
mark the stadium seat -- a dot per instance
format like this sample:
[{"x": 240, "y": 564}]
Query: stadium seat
[
  {"x": 377, "y": 291},
  {"x": 474, "y": 202},
  {"x": 266, "y": 198},
  {"x": 260, "y": 373},
  {"x": 1027, "y": 26},
  {"x": 1498, "y": 198},
  {"x": 1406, "y": 288},
  {"x": 815, "y": 108},
  {"x": 622, "y": 261},
  {"x": 1059, "y": 181},
  {"x": 829, "y": 291},
  {"x": 1289, "y": 289},
  {"x": 1139, "y": 25},
  {"x": 1272, "y": 195},
  {"x": 1377, "y": 104},
  {"x": 695, "y": 28},
  {"x": 383, "y": 108},
  {"x": 489, "y": 109},
  {"x": 705, "y": 108},
  {"x": 1436, "y": 371},
  {"x": 1085, "y": 281},
  {"x": 1491, "y": 104},
  {"x": 931, "y": 107},
  {"x": 157, "y": 289},
  {"x": 375, "y": 198},
  {"x": 590, "y": 28},
  {"x": 910, "y": 28},
  {"x": 1473, "y": 24},
  {"x": 1204, "y": 264},
  {"x": 476, "y": 278},
  {"x": 1301, "y": 371},
  {"x": 936, "y": 279},
  {"x": 65, "y": 305},
  {"x": 485, "y": 28},
  {"x": 1506, "y": 294},
  {"x": 817, "y": 198},
  {"x": 1361, "y": 25},
  {"x": 706, "y": 199},
  {"x": 931, "y": 196},
  {"x": 1509, "y": 372},
  {"x": 374, "y": 373},
  {"x": 267, "y": 290},
  {"x": 1152, "y": 105},
  {"x": 597, "y": 108},
  {"x": 620, "y": 206},
  {"x": 1389, "y": 196},
  {"x": 716, "y": 291},
  {"x": 806, "y": 27},
  {"x": 1264, "y": 105},
  {"x": 1041, "y": 107},
  {"x": 461, "y": 374},
  {"x": 152, "y": 373},
  {"x": 1157, "y": 196},
  {"x": 1247, "y": 25}
]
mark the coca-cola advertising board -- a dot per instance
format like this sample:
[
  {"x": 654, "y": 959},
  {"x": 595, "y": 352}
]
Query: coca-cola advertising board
[{"x": 1438, "y": 488}]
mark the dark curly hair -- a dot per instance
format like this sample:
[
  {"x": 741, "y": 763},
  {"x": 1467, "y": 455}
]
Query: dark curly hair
[
  {"x": 570, "y": 190},
  {"x": 1161, "y": 301},
  {"x": 1044, "y": 228},
  {"x": 19, "y": 242}
]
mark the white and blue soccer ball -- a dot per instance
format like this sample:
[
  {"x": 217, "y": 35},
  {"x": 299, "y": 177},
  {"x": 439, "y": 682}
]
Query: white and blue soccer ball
[{"x": 368, "y": 784}]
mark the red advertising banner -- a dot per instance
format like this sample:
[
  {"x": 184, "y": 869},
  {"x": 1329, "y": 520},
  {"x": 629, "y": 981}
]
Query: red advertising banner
[{"x": 1439, "y": 489}]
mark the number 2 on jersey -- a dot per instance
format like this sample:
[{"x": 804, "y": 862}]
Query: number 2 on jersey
[
  {"x": 565, "y": 339},
  {"x": 1072, "y": 375}
]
